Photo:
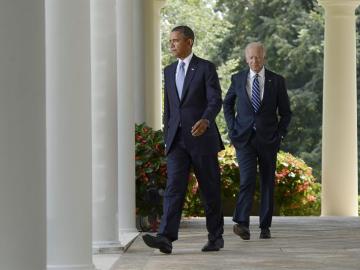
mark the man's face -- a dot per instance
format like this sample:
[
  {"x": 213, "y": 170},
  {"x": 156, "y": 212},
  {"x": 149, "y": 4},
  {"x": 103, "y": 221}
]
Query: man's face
[
  {"x": 255, "y": 58},
  {"x": 180, "y": 46}
]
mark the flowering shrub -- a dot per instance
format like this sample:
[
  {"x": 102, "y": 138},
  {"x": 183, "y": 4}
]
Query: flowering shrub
[
  {"x": 296, "y": 192},
  {"x": 150, "y": 170},
  {"x": 230, "y": 177},
  {"x": 192, "y": 205}
]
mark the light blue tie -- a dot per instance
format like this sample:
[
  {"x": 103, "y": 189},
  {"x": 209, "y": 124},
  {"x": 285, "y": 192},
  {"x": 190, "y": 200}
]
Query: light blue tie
[
  {"x": 255, "y": 95},
  {"x": 180, "y": 77}
]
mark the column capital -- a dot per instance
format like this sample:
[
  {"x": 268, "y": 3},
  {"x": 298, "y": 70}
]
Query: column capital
[
  {"x": 339, "y": 3},
  {"x": 340, "y": 8}
]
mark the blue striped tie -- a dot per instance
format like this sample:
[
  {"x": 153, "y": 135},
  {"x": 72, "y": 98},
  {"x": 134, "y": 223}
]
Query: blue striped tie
[
  {"x": 255, "y": 95},
  {"x": 180, "y": 77}
]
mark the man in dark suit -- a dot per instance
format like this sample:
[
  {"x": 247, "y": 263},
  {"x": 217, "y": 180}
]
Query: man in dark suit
[
  {"x": 257, "y": 113},
  {"x": 192, "y": 99}
]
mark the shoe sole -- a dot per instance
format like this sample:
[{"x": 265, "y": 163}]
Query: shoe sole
[
  {"x": 215, "y": 249},
  {"x": 163, "y": 248},
  {"x": 166, "y": 251},
  {"x": 243, "y": 235},
  {"x": 210, "y": 250},
  {"x": 265, "y": 235}
]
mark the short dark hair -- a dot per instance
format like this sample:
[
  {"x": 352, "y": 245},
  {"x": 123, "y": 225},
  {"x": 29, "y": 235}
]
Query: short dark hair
[{"x": 185, "y": 30}]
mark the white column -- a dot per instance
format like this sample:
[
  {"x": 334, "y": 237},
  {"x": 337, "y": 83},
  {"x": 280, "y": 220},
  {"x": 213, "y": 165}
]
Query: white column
[
  {"x": 339, "y": 141},
  {"x": 104, "y": 126},
  {"x": 68, "y": 123},
  {"x": 153, "y": 73},
  {"x": 126, "y": 130},
  {"x": 139, "y": 45},
  {"x": 22, "y": 135}
]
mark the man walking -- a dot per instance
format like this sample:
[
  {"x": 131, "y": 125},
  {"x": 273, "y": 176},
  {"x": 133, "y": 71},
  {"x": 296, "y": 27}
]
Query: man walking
[
  {"x": 257, "y": 113},
  {"x": 192, "y": 99}
]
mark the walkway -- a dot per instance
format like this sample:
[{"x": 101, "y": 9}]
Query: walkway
[{"x": 331, "y": 243}]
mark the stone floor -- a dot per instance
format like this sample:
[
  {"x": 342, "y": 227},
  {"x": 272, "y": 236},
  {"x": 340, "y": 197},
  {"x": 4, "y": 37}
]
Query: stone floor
[{"x": 331, "y": 243}]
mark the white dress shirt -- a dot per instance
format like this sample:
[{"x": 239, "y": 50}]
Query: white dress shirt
[
  {"x": 250, "y": 80},
  {"x": 186, "y": 60}
]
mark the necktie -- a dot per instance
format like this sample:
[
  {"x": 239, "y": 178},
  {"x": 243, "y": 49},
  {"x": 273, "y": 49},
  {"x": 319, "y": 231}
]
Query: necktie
[
  {"x": 255, "y": 95},
  {"x": 180, "y": 77}
]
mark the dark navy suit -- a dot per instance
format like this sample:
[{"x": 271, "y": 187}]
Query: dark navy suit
[
  {"x": 256, "y": 137},
  {"x": 201, "y": 99}
]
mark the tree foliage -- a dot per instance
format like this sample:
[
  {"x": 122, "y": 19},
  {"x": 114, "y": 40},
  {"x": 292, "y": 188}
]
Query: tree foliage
[
  {"x": 293, "y": 34},
  {"x": 200, "y": 15}
]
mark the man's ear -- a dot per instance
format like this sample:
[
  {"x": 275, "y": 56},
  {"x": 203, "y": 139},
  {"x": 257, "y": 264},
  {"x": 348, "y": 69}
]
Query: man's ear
[{"x": 191, "y": 42}]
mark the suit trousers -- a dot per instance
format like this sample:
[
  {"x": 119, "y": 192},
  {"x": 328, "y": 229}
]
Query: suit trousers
[
  {"x": 207, "y": 171},
  {"x": 251, "y": 157}
]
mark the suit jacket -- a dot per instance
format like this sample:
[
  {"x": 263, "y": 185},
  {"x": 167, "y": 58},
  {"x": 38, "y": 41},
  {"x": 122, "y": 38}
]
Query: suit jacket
[
  {"x": 201, "y": 98},
  {"x": 272, "y": 118}
]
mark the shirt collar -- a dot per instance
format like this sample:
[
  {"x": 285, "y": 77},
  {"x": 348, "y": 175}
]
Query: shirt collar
[
  {"x": 186, "y": 60},
  {"x": 261, "y": 73}
]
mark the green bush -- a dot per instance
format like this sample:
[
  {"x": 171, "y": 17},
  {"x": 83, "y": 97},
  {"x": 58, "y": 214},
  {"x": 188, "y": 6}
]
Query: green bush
[
  {"x": 192, "y": 205},
  {"x": 296, "y": 191},
  {"x": 150, "y": 167}
]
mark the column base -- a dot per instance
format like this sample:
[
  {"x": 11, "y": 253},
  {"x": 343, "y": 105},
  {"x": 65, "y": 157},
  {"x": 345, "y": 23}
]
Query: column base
[
  {"x": 127, "y": 238},
  {"x": 115, "y": 247},
  {"x": 107, "y": 247},
  {"x": 71, "y": 267}
]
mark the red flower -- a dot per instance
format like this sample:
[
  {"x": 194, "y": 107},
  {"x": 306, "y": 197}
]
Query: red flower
[
  {"x": 158, "y": 147},
  {"x": 311, "y": 198}
]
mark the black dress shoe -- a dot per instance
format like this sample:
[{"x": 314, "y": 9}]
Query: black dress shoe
[
  {"x": 160, "y": 242},
  {"x": 265, "y": 234},
  {"x": 242, "y": 231},
  {"x": 213, "y": 245}
]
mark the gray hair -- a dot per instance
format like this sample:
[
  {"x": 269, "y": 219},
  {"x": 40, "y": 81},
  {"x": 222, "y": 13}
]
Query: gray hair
[{"x": 255, "y": 44}]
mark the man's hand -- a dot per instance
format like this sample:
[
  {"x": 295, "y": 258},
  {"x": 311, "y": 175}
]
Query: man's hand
[{"x": 200, "y": 127}]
